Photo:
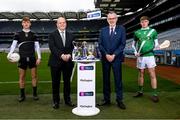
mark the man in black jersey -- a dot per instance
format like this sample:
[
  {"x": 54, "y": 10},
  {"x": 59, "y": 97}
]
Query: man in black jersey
[{"x": 27, "y": 44}]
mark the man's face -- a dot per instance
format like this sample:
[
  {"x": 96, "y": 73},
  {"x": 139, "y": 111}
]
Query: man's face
[
  {"x": 144, "y": 23},
  {"x": 61, "y": 24},
  {"x": 112, "y": 19},
  {"x": 26, "y": 24}
]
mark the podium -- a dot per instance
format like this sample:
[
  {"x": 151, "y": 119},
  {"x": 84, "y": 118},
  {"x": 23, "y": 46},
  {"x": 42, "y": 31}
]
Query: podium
[{"x": 86, "y": 95}]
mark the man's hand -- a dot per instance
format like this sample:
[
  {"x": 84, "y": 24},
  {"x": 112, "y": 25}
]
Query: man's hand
[
  {"x": 38, "y": 61},
  {"x": 110, "y": 58},
  {"x": 157, "y": 47},
  {"x": 113, "y": 56},
  {"x": 66, "y": 57},
  {"x": 136, "y": 54},
  {"x": 63, "y": 57}
]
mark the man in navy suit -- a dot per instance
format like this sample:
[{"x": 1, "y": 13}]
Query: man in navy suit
[
  {"x": 111, "y": 44},
  {"x": 60, "y": 61}
]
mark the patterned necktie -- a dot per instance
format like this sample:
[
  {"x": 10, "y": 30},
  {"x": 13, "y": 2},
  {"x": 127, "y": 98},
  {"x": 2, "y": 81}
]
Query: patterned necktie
[
  {"x": 63, "y": 38},
  {"x": 111, "y": 33}
]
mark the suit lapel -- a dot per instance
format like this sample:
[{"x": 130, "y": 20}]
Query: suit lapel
[
  {"x": 67, "y": 39},
  {"x": 106, "y": 32},
  {"x": 116, "y": 32},
  {"x": 59, "y": 39}
]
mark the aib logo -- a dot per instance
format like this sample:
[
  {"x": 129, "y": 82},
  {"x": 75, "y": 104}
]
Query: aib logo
[
  {"x": 86, "y": 67},
  {"x": 86, "y": 93}
]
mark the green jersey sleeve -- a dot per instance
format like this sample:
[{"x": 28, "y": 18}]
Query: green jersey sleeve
[{"x": 135, "y": 36}]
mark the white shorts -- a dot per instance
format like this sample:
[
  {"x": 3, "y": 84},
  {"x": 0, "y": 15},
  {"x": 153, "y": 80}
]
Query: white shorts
[{"x": 146, "y": 62}]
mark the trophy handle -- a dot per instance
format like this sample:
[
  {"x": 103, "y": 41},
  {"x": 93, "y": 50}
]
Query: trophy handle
[{"x": 74, "y": 43}]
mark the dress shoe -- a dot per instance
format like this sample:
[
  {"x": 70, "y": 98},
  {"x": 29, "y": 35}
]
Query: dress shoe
[
  {"x": 104, "y": 103},
  {"x": 21, "y": 98},
  {"x": 35, "y": 97},
  {"x": 155, "y": 98},
  {"x": 55, "y": 105},
  {"x": 70, "y": 104},
  {"x": 138, "y": 94},
  {"x": 121, "y": 105}
]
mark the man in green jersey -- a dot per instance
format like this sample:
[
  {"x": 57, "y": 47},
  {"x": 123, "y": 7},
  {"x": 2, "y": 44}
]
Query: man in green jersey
[{"x": 146, "y": 40}]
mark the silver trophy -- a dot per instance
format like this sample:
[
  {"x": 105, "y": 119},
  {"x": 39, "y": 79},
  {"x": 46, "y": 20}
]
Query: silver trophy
[
  {"x": 91, "y": 51},
  {"x": 84, "y": 50},
  {"x": 76, "y": 52}
]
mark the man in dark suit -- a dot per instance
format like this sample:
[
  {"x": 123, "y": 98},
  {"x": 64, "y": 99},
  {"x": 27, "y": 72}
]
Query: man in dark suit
[
  {"x": 60, "y": 44},
  {"x": 111, "y": 44}
]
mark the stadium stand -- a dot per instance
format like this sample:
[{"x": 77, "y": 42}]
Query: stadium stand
[{"x": 164, "y": 17}]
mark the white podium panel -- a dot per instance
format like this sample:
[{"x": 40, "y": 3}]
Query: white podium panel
[{"x": 86, "y": 96}]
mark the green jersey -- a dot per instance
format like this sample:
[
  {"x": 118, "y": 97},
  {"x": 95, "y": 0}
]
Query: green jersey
[{"x": 148, "y": 35}]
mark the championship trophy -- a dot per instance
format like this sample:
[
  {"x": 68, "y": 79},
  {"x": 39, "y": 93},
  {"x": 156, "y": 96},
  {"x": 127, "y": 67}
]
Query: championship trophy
[
  {"x": 91, "y": 52},
  {"x": 76, "y": 52},
  {"x": 84, "y": 51}
]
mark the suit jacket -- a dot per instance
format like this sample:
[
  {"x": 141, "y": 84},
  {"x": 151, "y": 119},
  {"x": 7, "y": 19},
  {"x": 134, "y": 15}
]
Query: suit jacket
[
  {"x": 57, "y": 48},
  {"x": 115, "y": 44}
]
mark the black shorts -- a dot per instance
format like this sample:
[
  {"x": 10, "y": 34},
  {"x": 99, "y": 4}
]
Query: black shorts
[{"x": 25, "y": 62}]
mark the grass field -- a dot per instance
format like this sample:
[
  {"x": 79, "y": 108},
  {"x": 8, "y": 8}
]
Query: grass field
[{"x": 168, "y": 107}]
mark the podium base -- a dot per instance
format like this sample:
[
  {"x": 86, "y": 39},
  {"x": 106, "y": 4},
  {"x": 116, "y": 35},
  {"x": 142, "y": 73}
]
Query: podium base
[{"x": 85, "y": 112}]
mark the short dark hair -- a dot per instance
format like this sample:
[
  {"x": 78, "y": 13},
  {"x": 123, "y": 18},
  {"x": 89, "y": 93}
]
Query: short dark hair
[
  {"x": 26, "y": 19},
  {"x": 111, "y": 12},
  {"x": 144, "y": 18}
]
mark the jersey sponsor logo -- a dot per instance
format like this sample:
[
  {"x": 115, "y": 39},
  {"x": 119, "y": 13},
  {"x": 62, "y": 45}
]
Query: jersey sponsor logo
[{"x": 86, "y": 68}]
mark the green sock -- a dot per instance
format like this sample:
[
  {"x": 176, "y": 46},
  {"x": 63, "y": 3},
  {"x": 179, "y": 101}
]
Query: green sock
[
  {"x": 154, "y": 92},
  {"x": 140, "y": 89}
]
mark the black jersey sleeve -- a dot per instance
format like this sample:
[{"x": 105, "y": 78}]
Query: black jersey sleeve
[
  {"x": 16, "y": 36},
  {"x": 35, "y": 37}
]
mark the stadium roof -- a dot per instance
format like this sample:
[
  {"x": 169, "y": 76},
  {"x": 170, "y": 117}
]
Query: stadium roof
[
  {"x": 41, "y": 15},
  {"x": 122, "y": 7}
]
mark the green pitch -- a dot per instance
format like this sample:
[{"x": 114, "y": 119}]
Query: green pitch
[{"x": 168, "y": 107}]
